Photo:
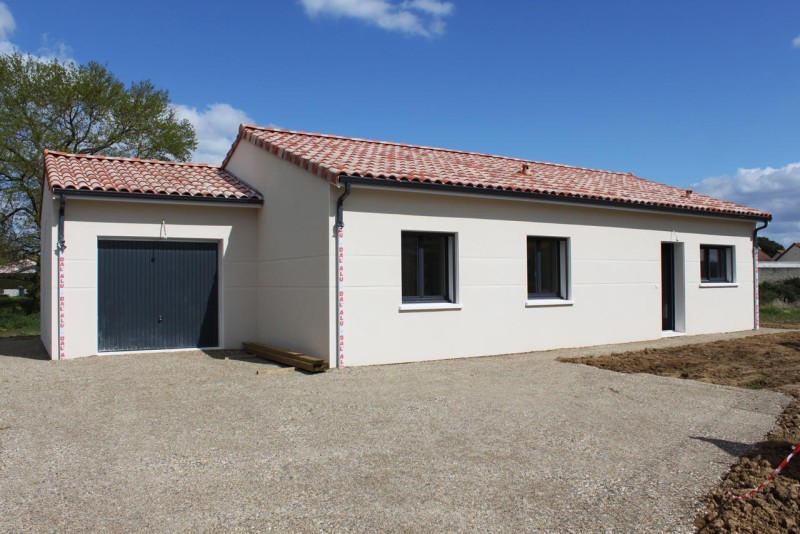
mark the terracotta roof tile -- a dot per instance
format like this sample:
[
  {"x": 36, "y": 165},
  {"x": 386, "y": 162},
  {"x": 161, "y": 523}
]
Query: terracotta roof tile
[
  {"x": 82, "y": 172},
  {"x": 763, "y": 256},
  {"x": 332, "y": 157}
]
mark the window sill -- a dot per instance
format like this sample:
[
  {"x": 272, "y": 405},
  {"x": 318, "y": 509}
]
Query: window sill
[
  {"x": 429, "y": 306},
  {"x": 537, "y": 303},
  {"x": 719, "y": 284}
]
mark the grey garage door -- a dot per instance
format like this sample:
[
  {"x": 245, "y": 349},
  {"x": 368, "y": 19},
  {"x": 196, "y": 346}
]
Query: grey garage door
[{"x": 157, "y": 295}]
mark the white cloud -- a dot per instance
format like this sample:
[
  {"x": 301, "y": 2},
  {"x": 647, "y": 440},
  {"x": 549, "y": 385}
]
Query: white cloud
[
  {"x": 216, "y": 127},
  {"x": 7, "y": 27},
  {"x": 7, "y": 24},
  {"x": 774, "y": 190},
  {"x": 47, "y": 51},
  {"x": 796, "y": 42},
  {"x": 414, "y": 17}
]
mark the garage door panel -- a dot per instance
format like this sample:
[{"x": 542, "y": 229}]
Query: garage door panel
[{"x": 157, "y": 295}]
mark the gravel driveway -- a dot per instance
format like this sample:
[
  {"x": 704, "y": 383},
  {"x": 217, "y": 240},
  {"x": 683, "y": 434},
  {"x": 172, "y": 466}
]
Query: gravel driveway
[{"x": 192, "y": 441}]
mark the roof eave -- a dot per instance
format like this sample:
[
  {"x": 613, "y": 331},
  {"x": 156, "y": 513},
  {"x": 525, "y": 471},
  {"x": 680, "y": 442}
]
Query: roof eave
[
  {"x": 155, "y": 196},
  {"x": 550, "y": 198}
]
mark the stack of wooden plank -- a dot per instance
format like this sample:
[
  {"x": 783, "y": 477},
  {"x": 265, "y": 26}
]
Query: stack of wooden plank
[{"x": 286, "y": 357}]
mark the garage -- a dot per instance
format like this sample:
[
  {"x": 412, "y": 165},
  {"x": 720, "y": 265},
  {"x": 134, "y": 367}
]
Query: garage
[{"x": 157, "y": 294}]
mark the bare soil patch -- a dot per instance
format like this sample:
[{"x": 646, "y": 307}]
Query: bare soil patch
[{"x": 769, "y": 361}]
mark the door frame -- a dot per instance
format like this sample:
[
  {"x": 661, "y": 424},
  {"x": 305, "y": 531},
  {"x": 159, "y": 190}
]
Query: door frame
[{"x": 676, "y": 265}]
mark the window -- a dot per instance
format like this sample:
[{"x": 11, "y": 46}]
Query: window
[
  {"x": 547, "y": 268},
  {"x": 716, "y": 263},
  {"x": 428, "y": 269}
]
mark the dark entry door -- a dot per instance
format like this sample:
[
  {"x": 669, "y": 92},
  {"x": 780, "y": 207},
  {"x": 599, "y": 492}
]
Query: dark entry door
[
  {"x": 156, "y": 295},
  {"x": 667, "y": 286}
]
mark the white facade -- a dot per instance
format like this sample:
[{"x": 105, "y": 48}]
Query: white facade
[
  {"x": 614, "y": 266},
  {"x": 87, "y": 221},
  {"x": 293, "y": 246},
  {"x": 278, "y": 266}
]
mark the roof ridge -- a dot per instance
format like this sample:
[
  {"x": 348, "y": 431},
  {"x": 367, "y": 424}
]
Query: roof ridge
[
  {"x": 437, "y": 149},
  {"x": 134, "y": 160}
]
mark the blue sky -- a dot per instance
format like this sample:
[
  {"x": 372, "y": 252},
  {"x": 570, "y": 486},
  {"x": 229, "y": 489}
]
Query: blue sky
[{"x": 693, "y": 94}]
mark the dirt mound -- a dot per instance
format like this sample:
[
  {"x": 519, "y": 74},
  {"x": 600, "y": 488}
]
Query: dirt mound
[
  {"x": 770, "y": 361},
  {"x": 776, "y": 507}
]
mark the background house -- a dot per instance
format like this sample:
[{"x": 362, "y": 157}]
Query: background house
[
  {"x": 791, "y": 254},
  {"x": 785, "y": 265},
  {"x": 16, "y": 278}
]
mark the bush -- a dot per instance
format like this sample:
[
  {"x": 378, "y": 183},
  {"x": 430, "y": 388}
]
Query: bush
[
  {"x": 786, "y": 291},
  {"x": 19, "y": 325},
  {"x": 17, "y": 305}
]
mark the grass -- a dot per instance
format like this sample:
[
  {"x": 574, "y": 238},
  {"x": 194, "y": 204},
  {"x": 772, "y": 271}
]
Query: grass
[
  {"x": 19, "y": 325},
  {"x": 771, "y": 314}
]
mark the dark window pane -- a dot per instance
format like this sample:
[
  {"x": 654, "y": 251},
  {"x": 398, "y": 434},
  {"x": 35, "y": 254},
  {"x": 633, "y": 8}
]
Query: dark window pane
[
  {"x": 426, "y": 269},
  {"x": 544, "y": 267},
  {"x": 531, "y": 266},
  {"x": 714, "y": 272},
  {"x": 549, "y": 261},
  {"x": 434, "y": 266},
  {"x": 703, "y": 263},
  {"x": 714, "y": 264},
  {"x": 410, "y": 266}
]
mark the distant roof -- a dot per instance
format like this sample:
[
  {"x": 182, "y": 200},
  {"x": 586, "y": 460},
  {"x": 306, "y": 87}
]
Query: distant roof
[
  {"x": 782, "y": 253},
  {"x": 102, "y": 174},
  {"x": 763, "y": 256},
  {"x": 19, "y": 267},
  {"x": 333, "y": 157}
]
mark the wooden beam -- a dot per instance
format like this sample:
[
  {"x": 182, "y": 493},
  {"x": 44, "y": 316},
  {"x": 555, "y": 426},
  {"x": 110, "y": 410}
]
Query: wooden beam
[
  {"x": 286, "y": 357},
  {"x": 274, "y": 371}
]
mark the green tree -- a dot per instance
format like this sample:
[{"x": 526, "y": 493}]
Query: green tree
[
  {"x": 71, "y": 108},
  {"x": 768, "y": 245}
]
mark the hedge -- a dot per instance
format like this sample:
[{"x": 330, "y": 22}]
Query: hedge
[{"x": 786, "y": 291}]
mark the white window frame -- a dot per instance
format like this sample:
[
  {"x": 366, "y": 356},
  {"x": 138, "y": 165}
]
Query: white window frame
[
  {"x": 452, "y": 276},
  {"x": 730, "y": 266},
  {"x": 564, "y": 275}
]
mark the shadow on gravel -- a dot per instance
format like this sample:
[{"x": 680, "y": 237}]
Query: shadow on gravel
[
  {"x": 23, "y": 347},
  {"x": 734, "y": 448},
  {"x": 242, "y": 356}
]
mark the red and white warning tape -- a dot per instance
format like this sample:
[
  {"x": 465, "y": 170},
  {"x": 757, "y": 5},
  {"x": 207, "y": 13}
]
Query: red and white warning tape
[
  {"x": 340, "y": 297},
  {"x": 771, "y": 477},
  {"x": 61, "y": 336}
]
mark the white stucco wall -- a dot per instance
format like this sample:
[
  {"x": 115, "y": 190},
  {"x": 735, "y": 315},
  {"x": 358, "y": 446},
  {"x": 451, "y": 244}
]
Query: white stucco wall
[
  {"x": 294, "y": 232},
  {"x": 47, "y": 280},
  {"x": 615, "y": 263},
  {"x": 87, "y": 220}
]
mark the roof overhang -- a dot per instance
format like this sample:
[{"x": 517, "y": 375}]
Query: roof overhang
[
  {"x": 544, "y": 197},
  {"x": 115, "y": 195}
]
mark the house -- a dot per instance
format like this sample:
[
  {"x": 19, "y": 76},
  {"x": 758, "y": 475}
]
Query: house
[
  {"x": 791, "y": 254},
  {"x": 13, "y": 279},
  {"x": 785, "y": 265},
  {"x": 365, "y": 252},
  {"x": 763, "y": 256}
]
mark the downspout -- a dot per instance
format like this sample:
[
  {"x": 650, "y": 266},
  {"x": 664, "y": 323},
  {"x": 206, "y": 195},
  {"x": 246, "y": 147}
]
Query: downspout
[
  {"x": 339, "y": 232},
  {"x": 757, "y": 311},
  {"x": 61, "y": 246}
]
